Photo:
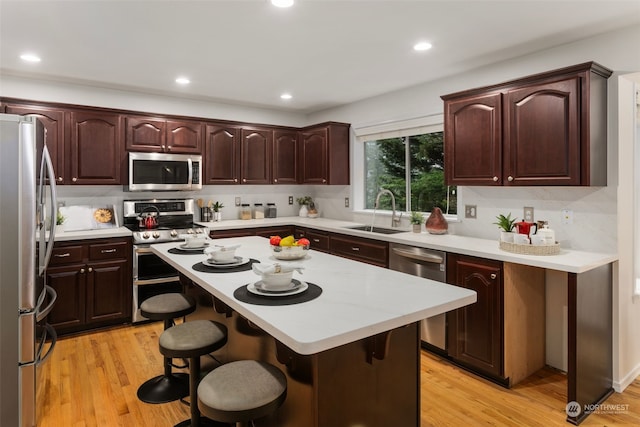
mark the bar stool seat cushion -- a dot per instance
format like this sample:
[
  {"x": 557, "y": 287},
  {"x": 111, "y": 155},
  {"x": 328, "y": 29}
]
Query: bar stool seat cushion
[
  {"x": 193, "y": 339},
  {"x": 167, "y": 306},
  {"x": 241, "y": 391}
]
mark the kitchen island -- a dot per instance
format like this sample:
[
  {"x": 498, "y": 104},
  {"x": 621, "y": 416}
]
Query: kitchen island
[{"x": 351, "y": 355}]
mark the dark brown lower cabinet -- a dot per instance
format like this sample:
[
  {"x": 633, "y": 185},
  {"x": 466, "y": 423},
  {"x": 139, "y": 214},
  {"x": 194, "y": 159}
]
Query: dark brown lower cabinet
[
  {"x": 318, "y": 239},
  {"x": 93, "y": 281},
  {"x": 475, "y": 331}
]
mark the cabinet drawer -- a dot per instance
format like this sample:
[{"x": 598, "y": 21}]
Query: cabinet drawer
[
  {"x": 319, "y": 240},
  {"x": 274, "y": 231},
  {"x": 66, "y": 255},
  {"x": 108, "y": 250},
  {"x": 222, "y": 234},
  {"x": 359, "y": 249}
]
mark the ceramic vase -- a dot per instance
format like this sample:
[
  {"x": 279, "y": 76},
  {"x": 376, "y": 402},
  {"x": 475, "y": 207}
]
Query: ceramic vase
[
  {"x": 417, "y": 228},
  {"x": 436, "y": 223},
  {"x": 217, "y": 216},
  {"x": 506, "y": 236},
  {"x": 304, "y": 211}
]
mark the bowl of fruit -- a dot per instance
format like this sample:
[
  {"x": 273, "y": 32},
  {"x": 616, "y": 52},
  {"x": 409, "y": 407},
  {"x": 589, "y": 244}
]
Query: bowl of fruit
[{"x": 288, "y": 247}]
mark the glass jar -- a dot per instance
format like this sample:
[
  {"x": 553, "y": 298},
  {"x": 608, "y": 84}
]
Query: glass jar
[
  {"x": 245, "y": 211},
  {"x": 258, "y": 211},
  {"x": 271, "y": 211}
]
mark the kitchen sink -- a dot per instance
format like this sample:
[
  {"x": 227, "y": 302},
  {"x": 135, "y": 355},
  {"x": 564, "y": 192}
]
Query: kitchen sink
[{"x": 380, "y": 230}]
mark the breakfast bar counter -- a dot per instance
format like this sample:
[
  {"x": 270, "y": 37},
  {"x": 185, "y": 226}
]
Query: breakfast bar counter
[{"x": 351, "y": 354}]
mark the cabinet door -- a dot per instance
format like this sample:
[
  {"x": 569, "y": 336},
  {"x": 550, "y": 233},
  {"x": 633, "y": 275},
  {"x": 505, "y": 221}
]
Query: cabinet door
[
  {"x": 285, "y": 157},
  {"x": 255, "y": 156},
  {"x": 542, "y": 134},
  {"x": 108, "y": 291},
  {"x": 473, "y": 140},
  {"x": 68, "y": 281},
  {"x": 475, "y": 332},
  {"x": 314, "y": 156},
  {"x": 222, "y": 154},
  {"x": 53, "y": 122},
  {"x": 145, "y": 134},
  {"x": 184, "y": 137},
  {"x": 319, "y": 240},
  {"x": 96, "y": 148}
]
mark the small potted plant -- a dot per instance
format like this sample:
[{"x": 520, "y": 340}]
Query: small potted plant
[
  {"x": 506, "y": 224},
  {"x": 304, "y": 202},
  {"x": 60, "y": 219},
  {"x": 217, "y": 215},
  {"x": 416, "y": 220}
]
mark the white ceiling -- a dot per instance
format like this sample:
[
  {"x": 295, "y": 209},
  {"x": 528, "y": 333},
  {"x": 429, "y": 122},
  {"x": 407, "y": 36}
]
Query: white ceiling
[{"x": 324, "y": 52}]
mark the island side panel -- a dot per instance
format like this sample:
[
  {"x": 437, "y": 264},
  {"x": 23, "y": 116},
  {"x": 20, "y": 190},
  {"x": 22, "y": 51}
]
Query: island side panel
[
  {"x": 590, "y": 338},
  {"x": 353, "y": 392}
]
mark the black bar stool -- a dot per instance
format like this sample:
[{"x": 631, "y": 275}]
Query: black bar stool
[
  {"x": 168, "y": 386},
  {"x": 192, "y": 340},
  {"x": 242, "y": 391}
]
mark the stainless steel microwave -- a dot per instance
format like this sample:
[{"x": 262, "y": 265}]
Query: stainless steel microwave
[{"x": 164, "y": 172}]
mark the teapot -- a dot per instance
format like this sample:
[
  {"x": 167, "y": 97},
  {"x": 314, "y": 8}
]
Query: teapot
[{"x": 526, "y": 228}]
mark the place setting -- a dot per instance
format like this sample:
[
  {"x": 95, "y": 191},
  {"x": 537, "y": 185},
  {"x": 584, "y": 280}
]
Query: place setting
[
  {"x": 223, "y": 259},
  {"x": 277, "y": 286},
  {"x": 194, "y": 244}
]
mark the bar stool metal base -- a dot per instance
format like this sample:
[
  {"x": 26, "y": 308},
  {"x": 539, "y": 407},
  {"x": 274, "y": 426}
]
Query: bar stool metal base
[
  {"x": 163, "y": 389},
  {"x": 203, "y": 422}
]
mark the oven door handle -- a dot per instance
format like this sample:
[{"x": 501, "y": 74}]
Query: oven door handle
[
  {"x": 142, "y": 250},
  {"x": 143, "y": 282}
]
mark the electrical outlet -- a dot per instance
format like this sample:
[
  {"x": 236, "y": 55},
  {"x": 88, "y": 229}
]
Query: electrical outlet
[
  {"x": 346, "y": 202},
  {"x": 528, "y": 214},
  {"x": 567, "y": 216},
  {"x": 470, "y": 211},
  {"x": 290, "y": 200},
  {"x": 237, "y": 201}
]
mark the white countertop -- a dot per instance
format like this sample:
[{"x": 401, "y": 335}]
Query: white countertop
[
  {"x": 101, "y": 233},
  {"x": 358, "y": 300},
  {"x": 571, "y": 261}
]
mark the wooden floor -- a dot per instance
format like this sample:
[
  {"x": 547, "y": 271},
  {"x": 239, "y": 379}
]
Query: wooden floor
[{"x": 92, "y": 381}]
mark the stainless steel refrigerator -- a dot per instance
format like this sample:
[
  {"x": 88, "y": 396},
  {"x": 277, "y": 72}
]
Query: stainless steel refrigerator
[{"x": 28, "y": 207}]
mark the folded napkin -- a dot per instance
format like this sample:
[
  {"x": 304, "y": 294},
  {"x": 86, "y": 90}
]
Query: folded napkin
[
  {"x": 221, "y": 248},
  {"x": 261, "y": 269}
]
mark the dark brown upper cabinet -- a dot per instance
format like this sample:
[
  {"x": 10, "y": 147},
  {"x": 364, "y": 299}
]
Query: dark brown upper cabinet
[
  {"x": 546, "y": 129},
  {"x": 324, "y": 154},
  {"x": 285, "y": 156},
  {"x": 222, "y": 154},
  {"x": 160, "y": 135},
  {"x": 96, "y": 149},
  {"x": 53, "y": 121},
  {"x": 255, "y": 155}
]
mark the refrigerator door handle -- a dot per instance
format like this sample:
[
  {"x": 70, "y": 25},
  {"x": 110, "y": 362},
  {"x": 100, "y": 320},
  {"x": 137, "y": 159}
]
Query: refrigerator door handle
[
  {"x": 53, "y": 296},
  {"x": 51, "y": 332},
  {"x": 46, "y": 161}
]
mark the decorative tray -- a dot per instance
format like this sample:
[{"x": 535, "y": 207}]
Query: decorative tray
[{"x": 530, "y": 249}]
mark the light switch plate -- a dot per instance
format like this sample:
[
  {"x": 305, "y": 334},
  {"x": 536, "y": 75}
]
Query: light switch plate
[
  {"x": 290, "y": 200},
  {"x": 346, "y": 202},
  {"x": 567, "y": 216},
  {"x": 237, "y": 201}
]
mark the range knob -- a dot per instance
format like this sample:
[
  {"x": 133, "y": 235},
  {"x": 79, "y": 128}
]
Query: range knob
[
  {"x": 173, "y": 233},
  {"x": 198, "y": 230},
  {"x": 145, "y": 235},
  {"x": 156, "y": 235},
  {"x": 190, "y": 231}
]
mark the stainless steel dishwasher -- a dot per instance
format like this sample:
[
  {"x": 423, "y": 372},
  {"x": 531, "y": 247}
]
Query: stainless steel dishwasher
[{"x": 430, "y": 264}]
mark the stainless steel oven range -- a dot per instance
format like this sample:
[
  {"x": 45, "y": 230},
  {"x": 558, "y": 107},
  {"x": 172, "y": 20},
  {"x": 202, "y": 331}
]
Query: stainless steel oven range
[{"x": 156, "y": 221}]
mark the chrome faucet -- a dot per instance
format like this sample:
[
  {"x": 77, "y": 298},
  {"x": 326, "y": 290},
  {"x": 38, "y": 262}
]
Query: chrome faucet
[{"x": 395, "y": 220}]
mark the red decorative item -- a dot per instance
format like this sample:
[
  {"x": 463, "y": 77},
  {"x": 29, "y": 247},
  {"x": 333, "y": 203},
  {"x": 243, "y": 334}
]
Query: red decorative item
[{"x": 436, "y": 223}]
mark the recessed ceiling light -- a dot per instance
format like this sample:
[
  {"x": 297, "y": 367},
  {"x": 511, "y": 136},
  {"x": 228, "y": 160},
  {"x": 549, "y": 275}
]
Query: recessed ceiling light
[
  {"x": 183, "y": 81},
  {"x": 422, "y": 46},
  {"x": 286, "y": 96},
  {"x": 282, "y": 3},
  {"x": 30, "y": 57}
]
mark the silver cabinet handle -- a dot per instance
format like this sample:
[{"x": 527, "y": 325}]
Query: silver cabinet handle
[
  {"x": 90, "y": 269},
  {"x": 495, "y": 179},
  {"x": 355, "y": 248},
  {"x": 59, "y": 179},
  {"x": 316, "y": 240},
  {"x": 509, "y": 178},
  {"x": 244, "y": 179},
  {"x": 275, "y": 180},
  {"x": 108, "y": 251},
  {"x": 493, "y": 276},
  {"x": 82, "y": 270},
  {"x": 168, "y": 148},
  {"x": 419, "y": 256},
  {"x": 235, "y": 179},
  {"x": 62, "y": 255}
]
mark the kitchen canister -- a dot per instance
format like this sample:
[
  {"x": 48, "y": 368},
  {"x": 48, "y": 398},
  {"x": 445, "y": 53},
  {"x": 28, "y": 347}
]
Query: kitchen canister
[{"x": 271, "y": 211}]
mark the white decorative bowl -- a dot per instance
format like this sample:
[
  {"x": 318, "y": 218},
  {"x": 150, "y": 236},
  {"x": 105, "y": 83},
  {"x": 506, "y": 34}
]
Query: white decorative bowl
[
  {"x": 218, "y": 254},
  {"x": 289, "y": 252},
  {"x": 193, "y": 240},
  {"x": 277, "y": 281}
]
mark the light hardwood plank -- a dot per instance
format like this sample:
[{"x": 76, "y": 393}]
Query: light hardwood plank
[{"x": 93, "y": 380}]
